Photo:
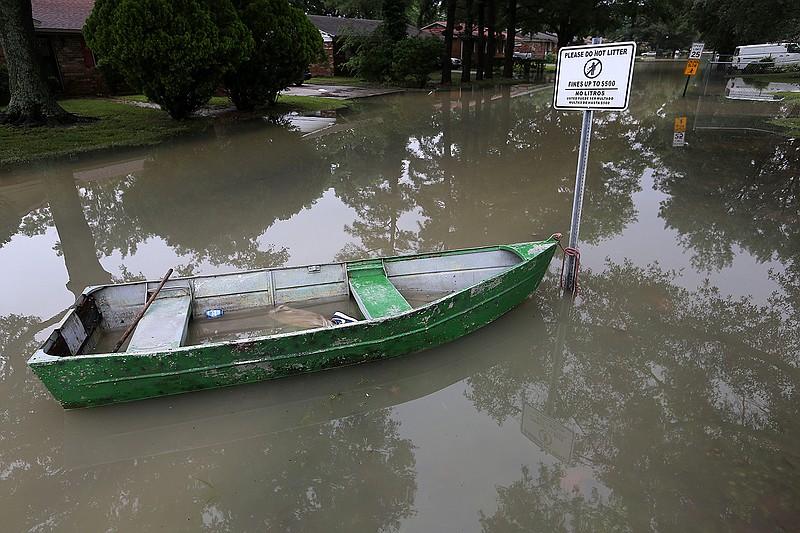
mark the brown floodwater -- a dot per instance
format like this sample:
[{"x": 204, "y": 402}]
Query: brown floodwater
[{"x": 664, "y": 397}]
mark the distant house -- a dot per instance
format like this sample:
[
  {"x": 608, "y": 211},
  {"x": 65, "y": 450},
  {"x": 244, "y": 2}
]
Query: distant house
[
  {"x": 537, "y": 44},
  {"x": 71, "y": 68},
  {"x": 334, "y": 31}
]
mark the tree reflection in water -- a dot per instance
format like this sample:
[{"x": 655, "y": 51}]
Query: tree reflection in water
[{"x": 685, "y": 404}]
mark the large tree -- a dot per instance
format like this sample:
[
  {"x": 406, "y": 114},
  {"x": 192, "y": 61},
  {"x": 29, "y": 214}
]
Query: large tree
[
  {"x": 372, "y": 54},
  {"x": 285, "y": 43},
  {"x": 573, "y": 19},
  {"x": 314, "y": 7},
  {"x": 366, "y": 9},
  {"x": 725, "y": 24},
  {"x": 175, "y": 51},
  {"x": 450, "y": 9},
  {"x": 31, "y": 102},
  {"x": 511, "y": 31}
]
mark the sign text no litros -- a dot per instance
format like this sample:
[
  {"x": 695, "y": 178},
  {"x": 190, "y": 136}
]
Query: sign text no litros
[{"x": 596, "y": 77}]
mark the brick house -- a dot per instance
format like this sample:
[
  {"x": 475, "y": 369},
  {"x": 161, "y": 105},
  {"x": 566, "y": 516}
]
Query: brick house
[
  {"x": 539, "y": 44},
  {"x": 69, "y": 65}
]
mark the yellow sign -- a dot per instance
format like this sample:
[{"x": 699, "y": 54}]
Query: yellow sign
[
  {"x": 691, "y": 67},
  {"x": 680, "y": 124}
]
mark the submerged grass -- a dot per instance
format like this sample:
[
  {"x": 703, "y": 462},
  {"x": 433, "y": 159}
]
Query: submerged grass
[
  {"x": 121, "y": 124},
  {"x": 790, "y": 125}
]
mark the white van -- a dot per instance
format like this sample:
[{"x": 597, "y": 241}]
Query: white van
[{"x": 782, "y": 53}]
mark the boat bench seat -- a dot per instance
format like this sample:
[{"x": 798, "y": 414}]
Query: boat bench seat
[
  {"x": 374, "y": 293},
  {"x": 165, "y": 323}
]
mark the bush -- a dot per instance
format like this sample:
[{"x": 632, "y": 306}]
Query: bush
[
  {"x": 371, "y": 56},
  {"x": 416, "y": 58},
  {"x": 175, "y": 51},
  {"x": 286, "y": 42},
  {"x": 763, "y": 65}
]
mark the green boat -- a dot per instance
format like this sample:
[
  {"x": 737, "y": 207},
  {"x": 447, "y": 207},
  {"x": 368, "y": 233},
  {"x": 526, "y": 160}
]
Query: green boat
[{"x": 188, "y": 334}]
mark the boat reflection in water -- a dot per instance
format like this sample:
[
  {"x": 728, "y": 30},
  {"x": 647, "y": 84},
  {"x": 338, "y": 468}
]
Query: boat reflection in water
[{"x": 205, "y": 419}]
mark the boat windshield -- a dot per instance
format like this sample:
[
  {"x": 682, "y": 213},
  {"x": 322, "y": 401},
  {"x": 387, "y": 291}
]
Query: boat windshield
[{"x": 793, "y": 48}]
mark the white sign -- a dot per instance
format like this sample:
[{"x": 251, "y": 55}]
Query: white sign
[
  {"x": 596, "y": 77},
  {"x": 697, "y": 50},
  {"x": 678, "y": 138},
  {"x": 549, "y": 434}
]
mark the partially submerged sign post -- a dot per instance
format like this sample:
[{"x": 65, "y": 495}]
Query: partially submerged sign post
[
  {"x": 590, "y": 78},
  {"x": 679, "y": 135}
]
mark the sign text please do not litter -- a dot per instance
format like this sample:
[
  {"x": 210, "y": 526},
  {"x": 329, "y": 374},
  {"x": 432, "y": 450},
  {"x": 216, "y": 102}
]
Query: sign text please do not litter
[{"x": 596, "y": 77}]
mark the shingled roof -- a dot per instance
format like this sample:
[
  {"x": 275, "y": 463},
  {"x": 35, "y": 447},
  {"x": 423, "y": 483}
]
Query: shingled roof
[
  {"x": 335, "y": 26},
  {"x": 71, "y": 15},
  {"x": 61, "y": 15}
]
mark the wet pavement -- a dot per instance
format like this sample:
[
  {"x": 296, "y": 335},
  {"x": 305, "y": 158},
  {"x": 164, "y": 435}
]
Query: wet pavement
[{"x": 341, "y": 92}]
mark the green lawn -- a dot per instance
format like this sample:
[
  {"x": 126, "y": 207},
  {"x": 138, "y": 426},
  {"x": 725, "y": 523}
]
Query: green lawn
[{"x": 123, "y": 125}]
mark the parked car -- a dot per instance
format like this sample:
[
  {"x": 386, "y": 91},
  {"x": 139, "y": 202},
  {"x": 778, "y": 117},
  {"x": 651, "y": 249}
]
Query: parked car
[
  {"x": 455, "y": 62},
  {"x": 305, "y": 76},
  {"x": 649, "y": 54}
]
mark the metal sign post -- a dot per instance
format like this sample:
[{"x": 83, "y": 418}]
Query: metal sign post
[
  {"x": 577, "y": 201},
  {"x": 693, "y": 63},
  {"x": 589, "y": 78}
]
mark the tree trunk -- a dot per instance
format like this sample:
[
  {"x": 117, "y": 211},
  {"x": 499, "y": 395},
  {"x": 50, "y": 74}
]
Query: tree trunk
[
  {"x": 508, "y": 61},
  {"x": 491, "y": 47},
  {"x": 31, "y": 103},
  {"x": 466, "y": 46},
  {"x": 481, "y": 40},
  {"x": 447, "y": 66}
]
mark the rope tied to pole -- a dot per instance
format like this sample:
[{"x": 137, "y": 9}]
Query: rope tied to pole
[{"x": 572, "y": 252}]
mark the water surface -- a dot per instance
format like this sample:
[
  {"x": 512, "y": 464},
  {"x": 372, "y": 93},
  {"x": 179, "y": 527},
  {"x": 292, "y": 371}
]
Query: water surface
[{"x": 663, "y": 398}]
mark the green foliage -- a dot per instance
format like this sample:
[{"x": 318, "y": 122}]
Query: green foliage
[
  {"x": 424, "y": 12},
  {"x": 725, "y": 24},
  {"x": 174, "y": 51},
  {"x": 416, "y": 58},
  {"x": 367, "y": 9},
  {"x": 313, "y": 7},
  {"x": 394, "y": 26},
  {"x": 663, "y": 25},
  {"x": 286, "y": 42},
  {"x": 371, "y": 56},
  {"x": 373, "y": 53}
]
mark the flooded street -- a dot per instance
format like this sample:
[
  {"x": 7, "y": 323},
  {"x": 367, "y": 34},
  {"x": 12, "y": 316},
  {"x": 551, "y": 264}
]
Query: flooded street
[{"x": 663, "y": 398}]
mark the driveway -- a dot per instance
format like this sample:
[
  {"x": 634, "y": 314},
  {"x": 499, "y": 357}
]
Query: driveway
[{"x": 340, "y": 92}]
